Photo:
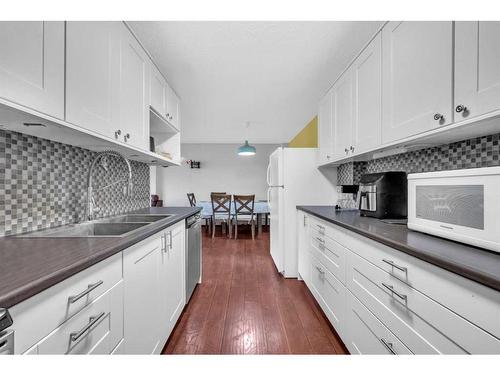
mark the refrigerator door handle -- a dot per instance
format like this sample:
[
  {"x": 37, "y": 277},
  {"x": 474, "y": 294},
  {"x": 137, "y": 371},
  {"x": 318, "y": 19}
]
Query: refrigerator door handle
[
  {"x": 268, "y": 177},
  {"x": 269, "y": 197}
]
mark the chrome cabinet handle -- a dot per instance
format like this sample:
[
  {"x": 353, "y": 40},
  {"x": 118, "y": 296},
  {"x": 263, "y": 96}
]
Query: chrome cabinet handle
[
  {"x": 320, "y": 240},
  {"x": 92, "y": 322},
  {"x": 320, "y": 270},
  {"x": 393, "y": 291},
  {"x": 328, "y": 157},
  {"x": 168, "y": 115},
  {"x": 126, "y": 137},
  {"x": 321, "y": 227},
  {"x": 305, "y": 224},
  {"x": 460, "y": 108},
  {"x": 170, "y": 242},
  {"x": 388, "y": 346},
  {"x": 346, "y": 150},
  {"x": 392, "y": 264},
  {"x": 118, "y": 133},
  {"x": 351, "y": 148},
  {"x": 163, "y": 243},
  {"x": 438, "y": 117},
  {"x": 91, "y": 287}
]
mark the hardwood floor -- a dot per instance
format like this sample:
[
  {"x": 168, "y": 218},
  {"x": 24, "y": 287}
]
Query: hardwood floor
[{"x": 244, "y": 306}]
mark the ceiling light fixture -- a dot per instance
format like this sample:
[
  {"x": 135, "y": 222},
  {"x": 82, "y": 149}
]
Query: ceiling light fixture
[{"x": 246, "y": 149}]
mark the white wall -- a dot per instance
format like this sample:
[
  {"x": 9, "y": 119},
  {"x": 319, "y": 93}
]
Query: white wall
[{"x": 221, "y": 170}]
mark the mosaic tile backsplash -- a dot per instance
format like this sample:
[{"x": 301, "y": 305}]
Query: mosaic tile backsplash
[
  {"x": 471, "y": 153},
  {"x": 43, "y": 184}
]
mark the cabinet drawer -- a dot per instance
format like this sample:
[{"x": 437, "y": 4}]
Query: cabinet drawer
[
  {"x": 330, "y": 253},
  {"x": 60, "y": 302},
  {"x": 329, "y": 292},
  {"x": 322, "y": 228},
  {"x": 366, "y": 334},
  {"x": 472, "y": 301},
  {"x": 422, "y": 324},
  {"x": 97, "y": 329}
]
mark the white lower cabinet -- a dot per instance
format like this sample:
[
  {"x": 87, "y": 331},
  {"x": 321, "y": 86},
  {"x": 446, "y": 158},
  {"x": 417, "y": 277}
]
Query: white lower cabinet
[
  {"x": 171, "y": 277},
  {"x": 302, "y": 241},
  {"x": 153, "y": 271},
  {"x": 141, "y": 275},
  {"x": 95, "y": 330},
  {"x": 377, "y": 309},
  {"x": 367, "y": 335},
  {"x": 128, "y": 303}
]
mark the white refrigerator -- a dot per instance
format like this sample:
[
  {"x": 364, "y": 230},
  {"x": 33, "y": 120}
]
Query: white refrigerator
[{"x": 294, "y": 179}]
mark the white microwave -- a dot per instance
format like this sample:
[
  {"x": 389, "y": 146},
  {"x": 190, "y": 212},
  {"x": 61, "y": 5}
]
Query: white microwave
[{"x": 461, "y": 205}]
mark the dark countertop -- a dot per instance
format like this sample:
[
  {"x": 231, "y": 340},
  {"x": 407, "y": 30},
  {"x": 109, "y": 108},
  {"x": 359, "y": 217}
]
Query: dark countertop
[
  {"x": 31, "y": 265},
  {"x": 471, "y": 262}
]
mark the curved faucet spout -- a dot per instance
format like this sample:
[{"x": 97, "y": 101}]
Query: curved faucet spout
[{"x": 90, "y": 200}]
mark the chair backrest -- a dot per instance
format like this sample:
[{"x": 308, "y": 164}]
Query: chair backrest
[
  {"x": 221, "y": 203},
  {"x": 192, "y": 199},
  {"x": 243, "y": 204},
  {"x": 217, "y": 193}
]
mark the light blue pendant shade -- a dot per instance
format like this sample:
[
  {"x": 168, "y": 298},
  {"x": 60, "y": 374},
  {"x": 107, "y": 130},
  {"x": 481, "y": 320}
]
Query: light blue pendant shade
[{"x": 246, "y": 150}]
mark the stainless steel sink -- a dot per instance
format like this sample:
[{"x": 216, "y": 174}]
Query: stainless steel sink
[
  {"x": 134, "y": 218},
  {"x": 117, "y": 226}
]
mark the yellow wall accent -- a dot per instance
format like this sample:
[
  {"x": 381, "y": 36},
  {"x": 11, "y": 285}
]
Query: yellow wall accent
[{"x": 307, "y": 137}]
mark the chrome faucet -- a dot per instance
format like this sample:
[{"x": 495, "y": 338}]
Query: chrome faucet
[{"x": 91, "y": 209}]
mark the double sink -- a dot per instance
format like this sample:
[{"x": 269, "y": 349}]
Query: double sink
[{"x": 115, "y": 226}]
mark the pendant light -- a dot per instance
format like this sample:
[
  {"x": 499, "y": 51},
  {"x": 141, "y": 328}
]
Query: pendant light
[{"x": 246, "y": 149}]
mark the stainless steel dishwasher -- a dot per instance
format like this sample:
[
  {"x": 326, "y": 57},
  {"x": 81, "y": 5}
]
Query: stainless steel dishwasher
[{"x": 193, "y": 253}]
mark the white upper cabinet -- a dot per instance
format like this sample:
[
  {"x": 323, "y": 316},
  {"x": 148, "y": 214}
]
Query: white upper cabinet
[
  {"x": 32, "y": 65},
  {"x": 367, "y": 80},
  {"x": 342, "y": 114},
  {"x": 477, "y": 68},
  {"x": 325, "y": 139},
  {"x": 173, "y": 111},
  {"x": 416, "y": 78},
  {"x": 158, "y": 91},
  {"x": 93, "y": 76},
  {"x": 134, "y": 91}
]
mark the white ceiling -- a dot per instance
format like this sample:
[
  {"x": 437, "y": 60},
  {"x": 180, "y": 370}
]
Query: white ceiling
[{"x": 269, "y": 73}]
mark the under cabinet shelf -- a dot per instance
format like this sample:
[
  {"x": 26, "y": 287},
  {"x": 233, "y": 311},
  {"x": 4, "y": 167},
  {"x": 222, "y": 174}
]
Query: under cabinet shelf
[
  {"x": 13, "y": 117},
  {"x": 159, "y": 124}
]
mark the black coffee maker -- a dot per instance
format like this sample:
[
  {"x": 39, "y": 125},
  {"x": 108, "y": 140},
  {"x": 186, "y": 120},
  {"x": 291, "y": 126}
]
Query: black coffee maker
[{"x": 383, "y": 195}]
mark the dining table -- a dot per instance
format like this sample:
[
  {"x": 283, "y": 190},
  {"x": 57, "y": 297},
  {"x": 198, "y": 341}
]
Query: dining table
[{"x": 260, "y": 209}]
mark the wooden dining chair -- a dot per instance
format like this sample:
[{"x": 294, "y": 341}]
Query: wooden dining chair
[
  {"x": 192, "y": 199},
  {"x": 221, "y": 210},
  {"x": 244, "y": 212},
  {"x": 208, "y": 219}
]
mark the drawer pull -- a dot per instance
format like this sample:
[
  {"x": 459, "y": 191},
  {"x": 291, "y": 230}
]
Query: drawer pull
[
  {"x": 92, "y": 322},
  {"x": 320, "y": 270},
  {"x": 321, "y": 228},
  {"x": 91, "y": 287},
  {"x": 393, "y": 291},
  {"x": 388, "y": 346},
  {"x": 392, "y": 264},
  {"x": 320, "y": 240}
]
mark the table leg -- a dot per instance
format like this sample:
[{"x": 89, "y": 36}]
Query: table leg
[{"x": 259, "y": 224}]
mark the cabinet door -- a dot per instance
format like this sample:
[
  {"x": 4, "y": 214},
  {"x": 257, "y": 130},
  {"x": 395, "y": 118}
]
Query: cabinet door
[
  {"x": 325, "y": 129},
  {"x": 303, "y": 245},
  {"x": 342, "y": 114},
  {"x": 141, "y": 317},
  {"x": 477, "y": 68},
  {"x": 158, "y": 91},
  {"x": 32, "y": 65},
  {"x": 172, "y": 281},
  {"x": 134, "y": 91},
  {"x": 93, "y": 75},
  {"x": 172, "y": 107},
  {"x": 416, "y": 78},
  {"x": 367, "y": 122}
]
